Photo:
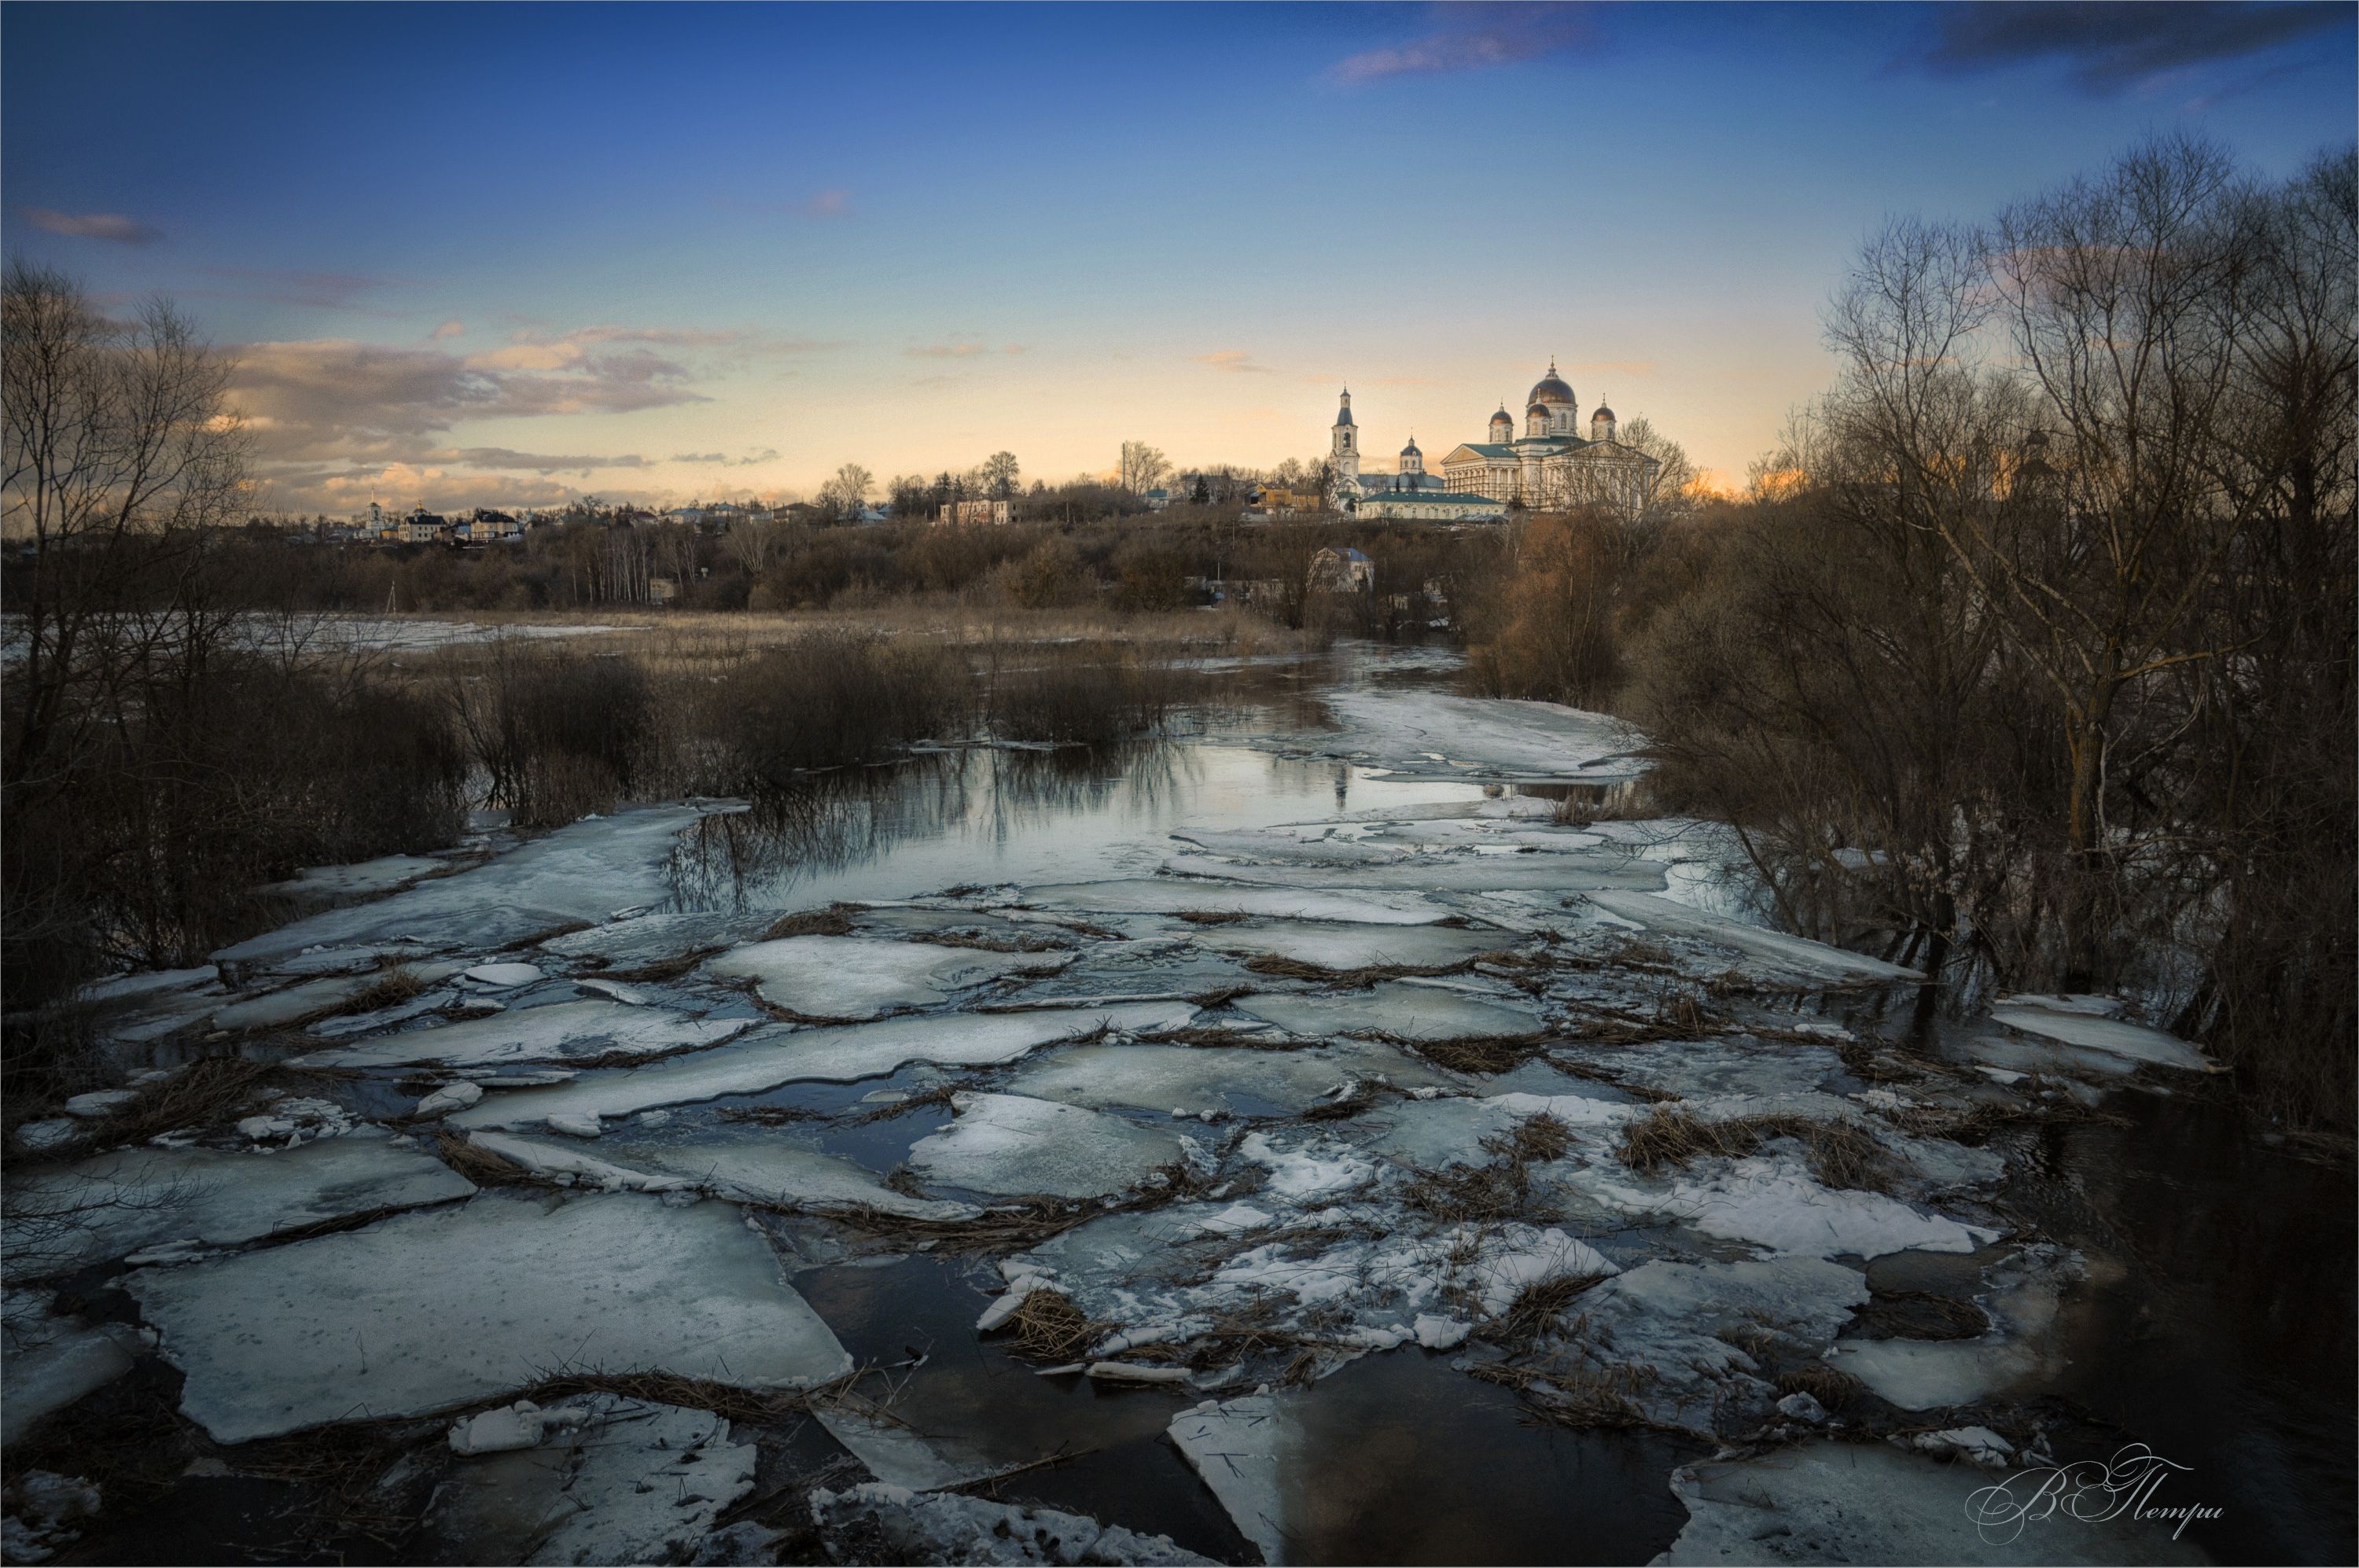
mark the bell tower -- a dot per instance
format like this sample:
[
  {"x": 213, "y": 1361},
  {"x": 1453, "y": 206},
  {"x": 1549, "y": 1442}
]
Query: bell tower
[{"x": 1344, "y": 450}]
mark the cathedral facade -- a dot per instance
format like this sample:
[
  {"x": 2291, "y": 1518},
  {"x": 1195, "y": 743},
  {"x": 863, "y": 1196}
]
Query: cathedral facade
[{"x": 1551, "y": 467}]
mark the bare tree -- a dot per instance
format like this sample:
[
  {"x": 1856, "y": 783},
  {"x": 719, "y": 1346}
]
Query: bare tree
[
  {"x": 1141, "y": 467},
  {"x": 847, "y": 492},
  {"x": 1000, "y": 472}
]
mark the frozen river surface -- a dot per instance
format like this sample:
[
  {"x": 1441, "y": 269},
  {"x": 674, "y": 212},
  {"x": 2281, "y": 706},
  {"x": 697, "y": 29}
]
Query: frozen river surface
[{"x": 1337, "y": 1137}]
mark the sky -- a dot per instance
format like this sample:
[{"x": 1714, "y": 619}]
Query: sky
[{"x": 508, "y": 255}]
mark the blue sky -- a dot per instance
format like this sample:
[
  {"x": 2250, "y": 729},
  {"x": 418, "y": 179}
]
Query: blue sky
[{"x": 478, "y": 252}]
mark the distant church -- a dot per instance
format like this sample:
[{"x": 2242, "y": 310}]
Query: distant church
[{"x": 1550, "y": 468}]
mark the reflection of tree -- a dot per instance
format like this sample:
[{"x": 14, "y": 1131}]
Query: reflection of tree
[
  {"x": 828, "y": 823},
  {"x": 823, "y": 822}
]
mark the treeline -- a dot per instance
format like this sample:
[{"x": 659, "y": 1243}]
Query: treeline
[
  {"x": 2033, "y": 648},
  {"x": 1144, "y": 564}
]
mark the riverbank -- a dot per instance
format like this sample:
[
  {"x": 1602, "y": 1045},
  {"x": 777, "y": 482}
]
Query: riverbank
[{"x": 1260, "y": 1140}]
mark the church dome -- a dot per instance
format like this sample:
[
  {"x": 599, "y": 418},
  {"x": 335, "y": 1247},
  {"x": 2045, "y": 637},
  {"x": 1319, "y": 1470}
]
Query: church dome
[
  {"x": 1602, "y": 413},
  {"x": 1539, "y": 409},
  {"x": 1410, "y": 450},
  {"x": 1550, "y": 388}
]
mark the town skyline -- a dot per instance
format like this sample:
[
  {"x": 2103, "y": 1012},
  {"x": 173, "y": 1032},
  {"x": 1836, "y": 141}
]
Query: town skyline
[{"x": 909, "y": 240}]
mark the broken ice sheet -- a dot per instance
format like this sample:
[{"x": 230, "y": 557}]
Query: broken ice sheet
[
  {"x": 1332, "y": 945},
  {"x": 1197, "y": 1078},
  {"x": 1789, "y": 955},
  {"x": 862, "y": 978},
  {"x": 886, "y": 1523},
  {"x": 112, "y": 1205},
  {"x": 52, "y": 1361},
  {"x": 1393, "y": 1008},
  {"x": 1403, "y": 731},
  {"x": 574, "y": 874},
  {"x": 754, "y": 1168},
  {"x": 1584, "y": 871},
  {"x": 329, "y": 994},
  {"x": 1773, "y": 1201},
  {"x": 1008, "y": 1144},
  {"x": 643, "y": 939},
  {"x": 430, "y": 1309},
  {"x": 1924, "y": 1374},
  {"x": 2079, "y": 1020},
  {"x": 773, "y": 1056},
  {"x": 553, "y": 1032},
  {"x": 1172, "y": 895},
  {"x": 621, "y": 1481}
]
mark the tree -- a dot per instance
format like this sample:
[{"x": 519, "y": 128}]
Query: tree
[
  {"x": 1141, "y": 467},
  {"x": 1000, "y": 472},
  {"x": 844, "y": 495}
]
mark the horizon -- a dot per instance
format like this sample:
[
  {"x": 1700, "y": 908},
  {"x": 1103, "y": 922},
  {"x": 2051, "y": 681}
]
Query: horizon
[{"x": 484, "y": 255}]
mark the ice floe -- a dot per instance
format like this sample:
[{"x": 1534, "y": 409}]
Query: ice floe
[
  {"x": 2078, "y": 1021},
  {"x": 1346, "y": 946},
  {"x": 112, "y": 1205},
  {"x": 1197, "y": 1078},
  {"x": 443, "y": 1307},
  {"x": 764, "y": 1169},
  {"x": 1771, "y": 1201},
  {"x": 1009, "y": 1144},
  {"x": 1401, "y": 1009},
  {"x": 861, "y": 977},
  {"x": 880, "y": 1523},
  {"x": 1173, "y": 896},
  {"x": 575, "y": 874},
  {"x": 1432, "y": 735},
  {"x": 556, "y": 1032},
  {"x": 770, "y": 1057},
  {"x": 1795, "y": 954}
]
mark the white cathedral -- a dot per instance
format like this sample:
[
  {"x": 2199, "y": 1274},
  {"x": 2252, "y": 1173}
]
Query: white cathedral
[{"x": 1550, "y": 468}]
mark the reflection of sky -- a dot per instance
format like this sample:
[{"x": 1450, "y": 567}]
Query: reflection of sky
[{"x": 687, "y": 250}]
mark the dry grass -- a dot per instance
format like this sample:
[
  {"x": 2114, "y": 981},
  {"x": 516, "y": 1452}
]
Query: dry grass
[
  {"x": 1579, "y": 1398},
  {"x": 1920, "y": 1314},
  {"x": 480, "y": 1166},
  {"x": 1048, "y": 1327},
  {"x": 208, "y": 1092},
  {"x": 662, "y": 968},
  {"x": 1838, "y": 1391},
  {"x": 1533, "y": 1315},
  {"x": 1840, "y": 1154},
  {"x": 833, "y": 921},
  {"x": 1211, "y": 917},
  {"x": 1366, "y": 1095},
  {"x": 390, "y": 989},
  {"x": 1278, "y": 966},
  {"x": 937, "y": 1097},
  {"x": 1486, "y": 1054}
]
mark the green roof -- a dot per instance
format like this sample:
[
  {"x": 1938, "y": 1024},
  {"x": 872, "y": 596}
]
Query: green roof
[{"x": 1448, "y": 497}]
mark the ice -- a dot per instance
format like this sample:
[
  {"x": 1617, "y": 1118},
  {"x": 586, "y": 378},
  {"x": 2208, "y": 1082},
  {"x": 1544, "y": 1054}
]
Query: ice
[
  {"x": 387, "y": 1017},
  {"x": 1429, "y": 1133},
  {"x": 1825, "y": 1502},
  {"x": 51, "y": 1362},
  {"x": 1926, "y": 1375},
  {"x": 771, "y": 1057},
  {"x": 1773, "y": 1202},
  {"x": 1793, "y": 954},
  {"x": 426, "y": 1310},
  {"x": 1171, "y": 896},
  {"x": 656, "y": 938},
  {"x": 2005, "y": 1054},
  {"x": 1347, "y": 946},
  {"x": 882, "y": 1523},
  {"x": 146, "y": 983},
  {"x": 1196, "y": 1078},
  {"x": 1590, "y": 872},
  {"x": 503, "y": 976},
  {"x": 556, "y": 1032},
  {"x": 100, "y": 1103},
  {"x": 1975, "y": 1445},
  {"x": 605, "y": 1480},
  {"x": 1392, "y": 1007},
  {"x": 2074, "y": 1020},
  {"x": 755, "y": 1169},
  {"x": 112, "y": 1205},
  {"x": 295, "y": 1003},
  {"x": 47, "y": 1134},
  {"x": 349, "y": 960},
  {"x": 366, "y": 880},
  {"x": 450, "y": 1097},
  {"x": 573, "y": 874},
  {"x": 1476, "y": 737},
  {"x": 1008, "y": 1144},
  {"x": 861, "y": 977},
  {"x": 1242, "y": 1448}
]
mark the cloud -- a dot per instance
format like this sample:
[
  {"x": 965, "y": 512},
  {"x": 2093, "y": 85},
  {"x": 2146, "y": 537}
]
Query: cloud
[
  {"x": 829, "y": 204},
  {"x": 2115, "y": 45},
  {"x": 1233, "y": 359},
  {"x": 742, "y": 340},
  {"x": 450, "y": 329},
  {"x": 500, "y": 457},
  {"x": 1476, "y": 38},
  {"x": 767, "y": 454},
  {"x": 336, "y": 401},
  {"x": 111, "y": 226},
  {"x": 324, "y": 290}
]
